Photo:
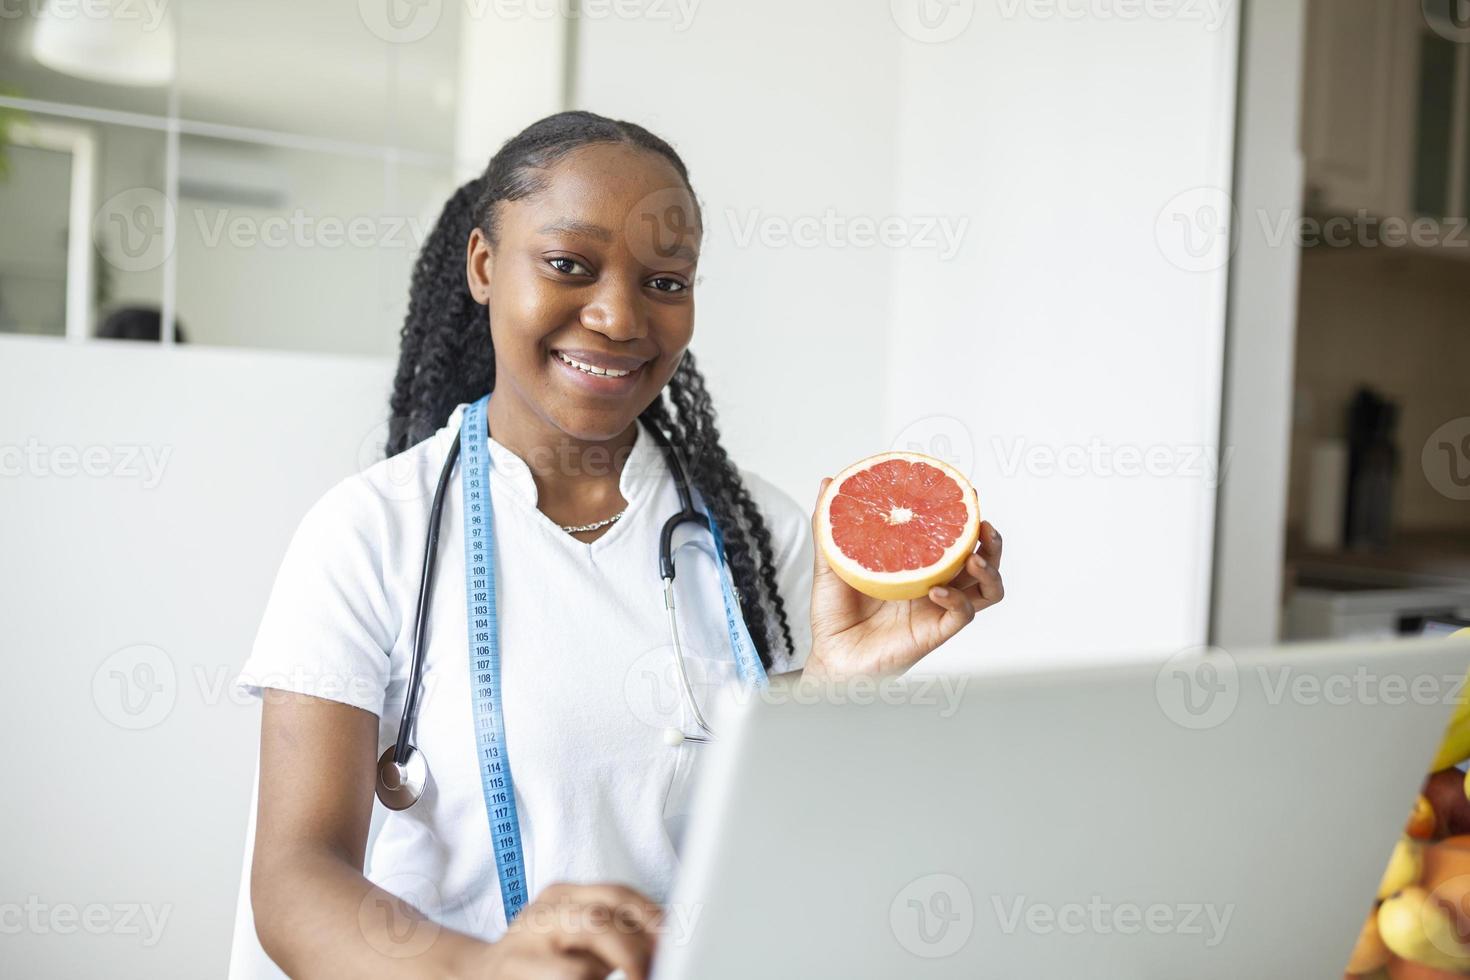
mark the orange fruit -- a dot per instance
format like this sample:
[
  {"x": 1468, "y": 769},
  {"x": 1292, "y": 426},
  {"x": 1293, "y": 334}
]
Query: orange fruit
[
  {"x": 895, "y": 525},
  {"x": 1369, "y": 953},
  {"x": 1421, "y": 820}
]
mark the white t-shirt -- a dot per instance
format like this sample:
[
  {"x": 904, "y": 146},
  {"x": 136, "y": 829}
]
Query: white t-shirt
[{"x": 587, "y": 667}]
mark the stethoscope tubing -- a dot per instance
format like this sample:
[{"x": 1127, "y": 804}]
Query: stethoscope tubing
[
  {"x": 406, "y": 725},
  {"x": 400, "y": 767}
]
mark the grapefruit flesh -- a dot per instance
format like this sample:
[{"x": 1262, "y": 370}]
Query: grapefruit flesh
[{"x": 897, "y": 524}]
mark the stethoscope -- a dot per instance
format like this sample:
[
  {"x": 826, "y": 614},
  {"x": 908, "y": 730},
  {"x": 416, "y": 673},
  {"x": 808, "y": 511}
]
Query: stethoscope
[{"x": 401, "y": 784}]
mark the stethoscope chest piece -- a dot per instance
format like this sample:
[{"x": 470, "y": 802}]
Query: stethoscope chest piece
[{"x": 401, "y": 784}]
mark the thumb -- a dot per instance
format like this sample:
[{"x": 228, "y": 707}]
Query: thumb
[{"x": 820, "y": 568}]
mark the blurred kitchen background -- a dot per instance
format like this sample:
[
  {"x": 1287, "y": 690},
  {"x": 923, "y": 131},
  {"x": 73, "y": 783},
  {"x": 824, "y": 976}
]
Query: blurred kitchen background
[
  {"x": 1378, "y": 522},
  {"x": 1114, "y": 287}
]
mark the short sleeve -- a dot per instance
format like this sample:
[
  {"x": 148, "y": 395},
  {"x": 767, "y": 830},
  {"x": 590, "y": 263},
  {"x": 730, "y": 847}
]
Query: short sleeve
[
  {"x": 791, "y": 542},
  {"x": 326, "y": 630}
]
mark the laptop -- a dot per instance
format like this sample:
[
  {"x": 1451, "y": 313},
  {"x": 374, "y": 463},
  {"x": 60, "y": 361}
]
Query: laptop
[{"x": 1214, "y": 816}]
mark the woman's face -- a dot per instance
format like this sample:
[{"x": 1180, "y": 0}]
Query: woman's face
[{"x": 590, "y": 288}]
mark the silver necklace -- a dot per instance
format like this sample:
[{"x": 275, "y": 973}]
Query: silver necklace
[{"x": 596, "y": 526}]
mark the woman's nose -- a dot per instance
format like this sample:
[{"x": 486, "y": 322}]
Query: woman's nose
[{"x": 615, "y": 312}]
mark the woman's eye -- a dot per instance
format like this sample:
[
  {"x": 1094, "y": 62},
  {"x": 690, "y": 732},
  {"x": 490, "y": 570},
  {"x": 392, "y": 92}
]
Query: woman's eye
[
  {"x": 569, "y": 267},
  {"x": 664, "y": 284}
]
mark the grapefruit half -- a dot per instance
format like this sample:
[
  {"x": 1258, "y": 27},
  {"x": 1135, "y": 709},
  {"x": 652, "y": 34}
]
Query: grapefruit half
[{"x": 895, "y": 525}]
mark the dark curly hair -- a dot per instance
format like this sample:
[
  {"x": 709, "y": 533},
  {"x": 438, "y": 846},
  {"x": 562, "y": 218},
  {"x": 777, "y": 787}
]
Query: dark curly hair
[{"x": 446, "y": 356}]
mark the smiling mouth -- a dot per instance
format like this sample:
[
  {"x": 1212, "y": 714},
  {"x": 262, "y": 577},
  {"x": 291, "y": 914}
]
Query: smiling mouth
[{"x": 597, "y": 371}]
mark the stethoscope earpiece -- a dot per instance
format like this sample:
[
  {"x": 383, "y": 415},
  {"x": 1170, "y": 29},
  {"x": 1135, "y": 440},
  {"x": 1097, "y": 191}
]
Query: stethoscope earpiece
[{"x": 401, "y": 784}]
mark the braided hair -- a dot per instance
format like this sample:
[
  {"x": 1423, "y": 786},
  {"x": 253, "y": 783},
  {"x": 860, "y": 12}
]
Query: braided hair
[{"x": 446, "y": 356}]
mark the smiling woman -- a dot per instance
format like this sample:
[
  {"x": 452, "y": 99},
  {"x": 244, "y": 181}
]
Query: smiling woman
[
  {"x": 577, "y": 243},
  {"x": 545, "y": 385}
]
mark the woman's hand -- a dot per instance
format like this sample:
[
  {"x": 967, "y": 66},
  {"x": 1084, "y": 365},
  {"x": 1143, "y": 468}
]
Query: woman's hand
[
  {"x": 577, "y": 932},
  {"x": 856, "y": 634}
]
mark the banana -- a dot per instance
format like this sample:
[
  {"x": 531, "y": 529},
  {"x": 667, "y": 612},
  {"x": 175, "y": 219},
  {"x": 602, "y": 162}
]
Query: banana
[
  {"x": 1405, "y": 866},
  {"x": 1455, "y": 747}
]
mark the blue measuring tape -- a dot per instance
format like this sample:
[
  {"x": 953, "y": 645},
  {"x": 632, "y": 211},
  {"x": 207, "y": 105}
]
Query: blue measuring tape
[
  {"x": 748, "y": 665},
  {"x": 483, "y": 624},
  {"x": 484, "y": 647}
]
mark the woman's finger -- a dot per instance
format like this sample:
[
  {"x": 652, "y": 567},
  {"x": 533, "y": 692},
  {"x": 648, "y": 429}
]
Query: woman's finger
[
  {"x": 958, "y": 609},
  {"x": 969, "y": 573},
  {"x": 989, "y": 587},
  {"x": 990, "y": 543},
  {"x": 608, "y": 938},
  {"x": 987, "y": 548}
]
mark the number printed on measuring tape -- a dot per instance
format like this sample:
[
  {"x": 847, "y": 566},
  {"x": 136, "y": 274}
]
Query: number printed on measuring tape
[{"x": 484, "y": 648}]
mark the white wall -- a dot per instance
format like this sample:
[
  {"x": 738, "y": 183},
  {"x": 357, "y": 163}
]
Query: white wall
[
  {"x": 1051, "y": 146},
  {"x": 179, "y": 558},
  {"x": 782, "y": 112},
  {"x": 1065, "y": 323}
]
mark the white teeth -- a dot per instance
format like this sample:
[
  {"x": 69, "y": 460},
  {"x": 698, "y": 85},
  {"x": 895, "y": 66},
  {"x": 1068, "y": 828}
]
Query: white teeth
[{"x": 592, "y": 369}]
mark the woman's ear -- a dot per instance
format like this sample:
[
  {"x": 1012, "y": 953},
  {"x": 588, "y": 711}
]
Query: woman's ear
[{"x": 479, "y": 261}]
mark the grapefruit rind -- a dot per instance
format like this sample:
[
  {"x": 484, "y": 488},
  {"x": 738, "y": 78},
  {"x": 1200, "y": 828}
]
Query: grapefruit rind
[{"x": 910, "y": 583}]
